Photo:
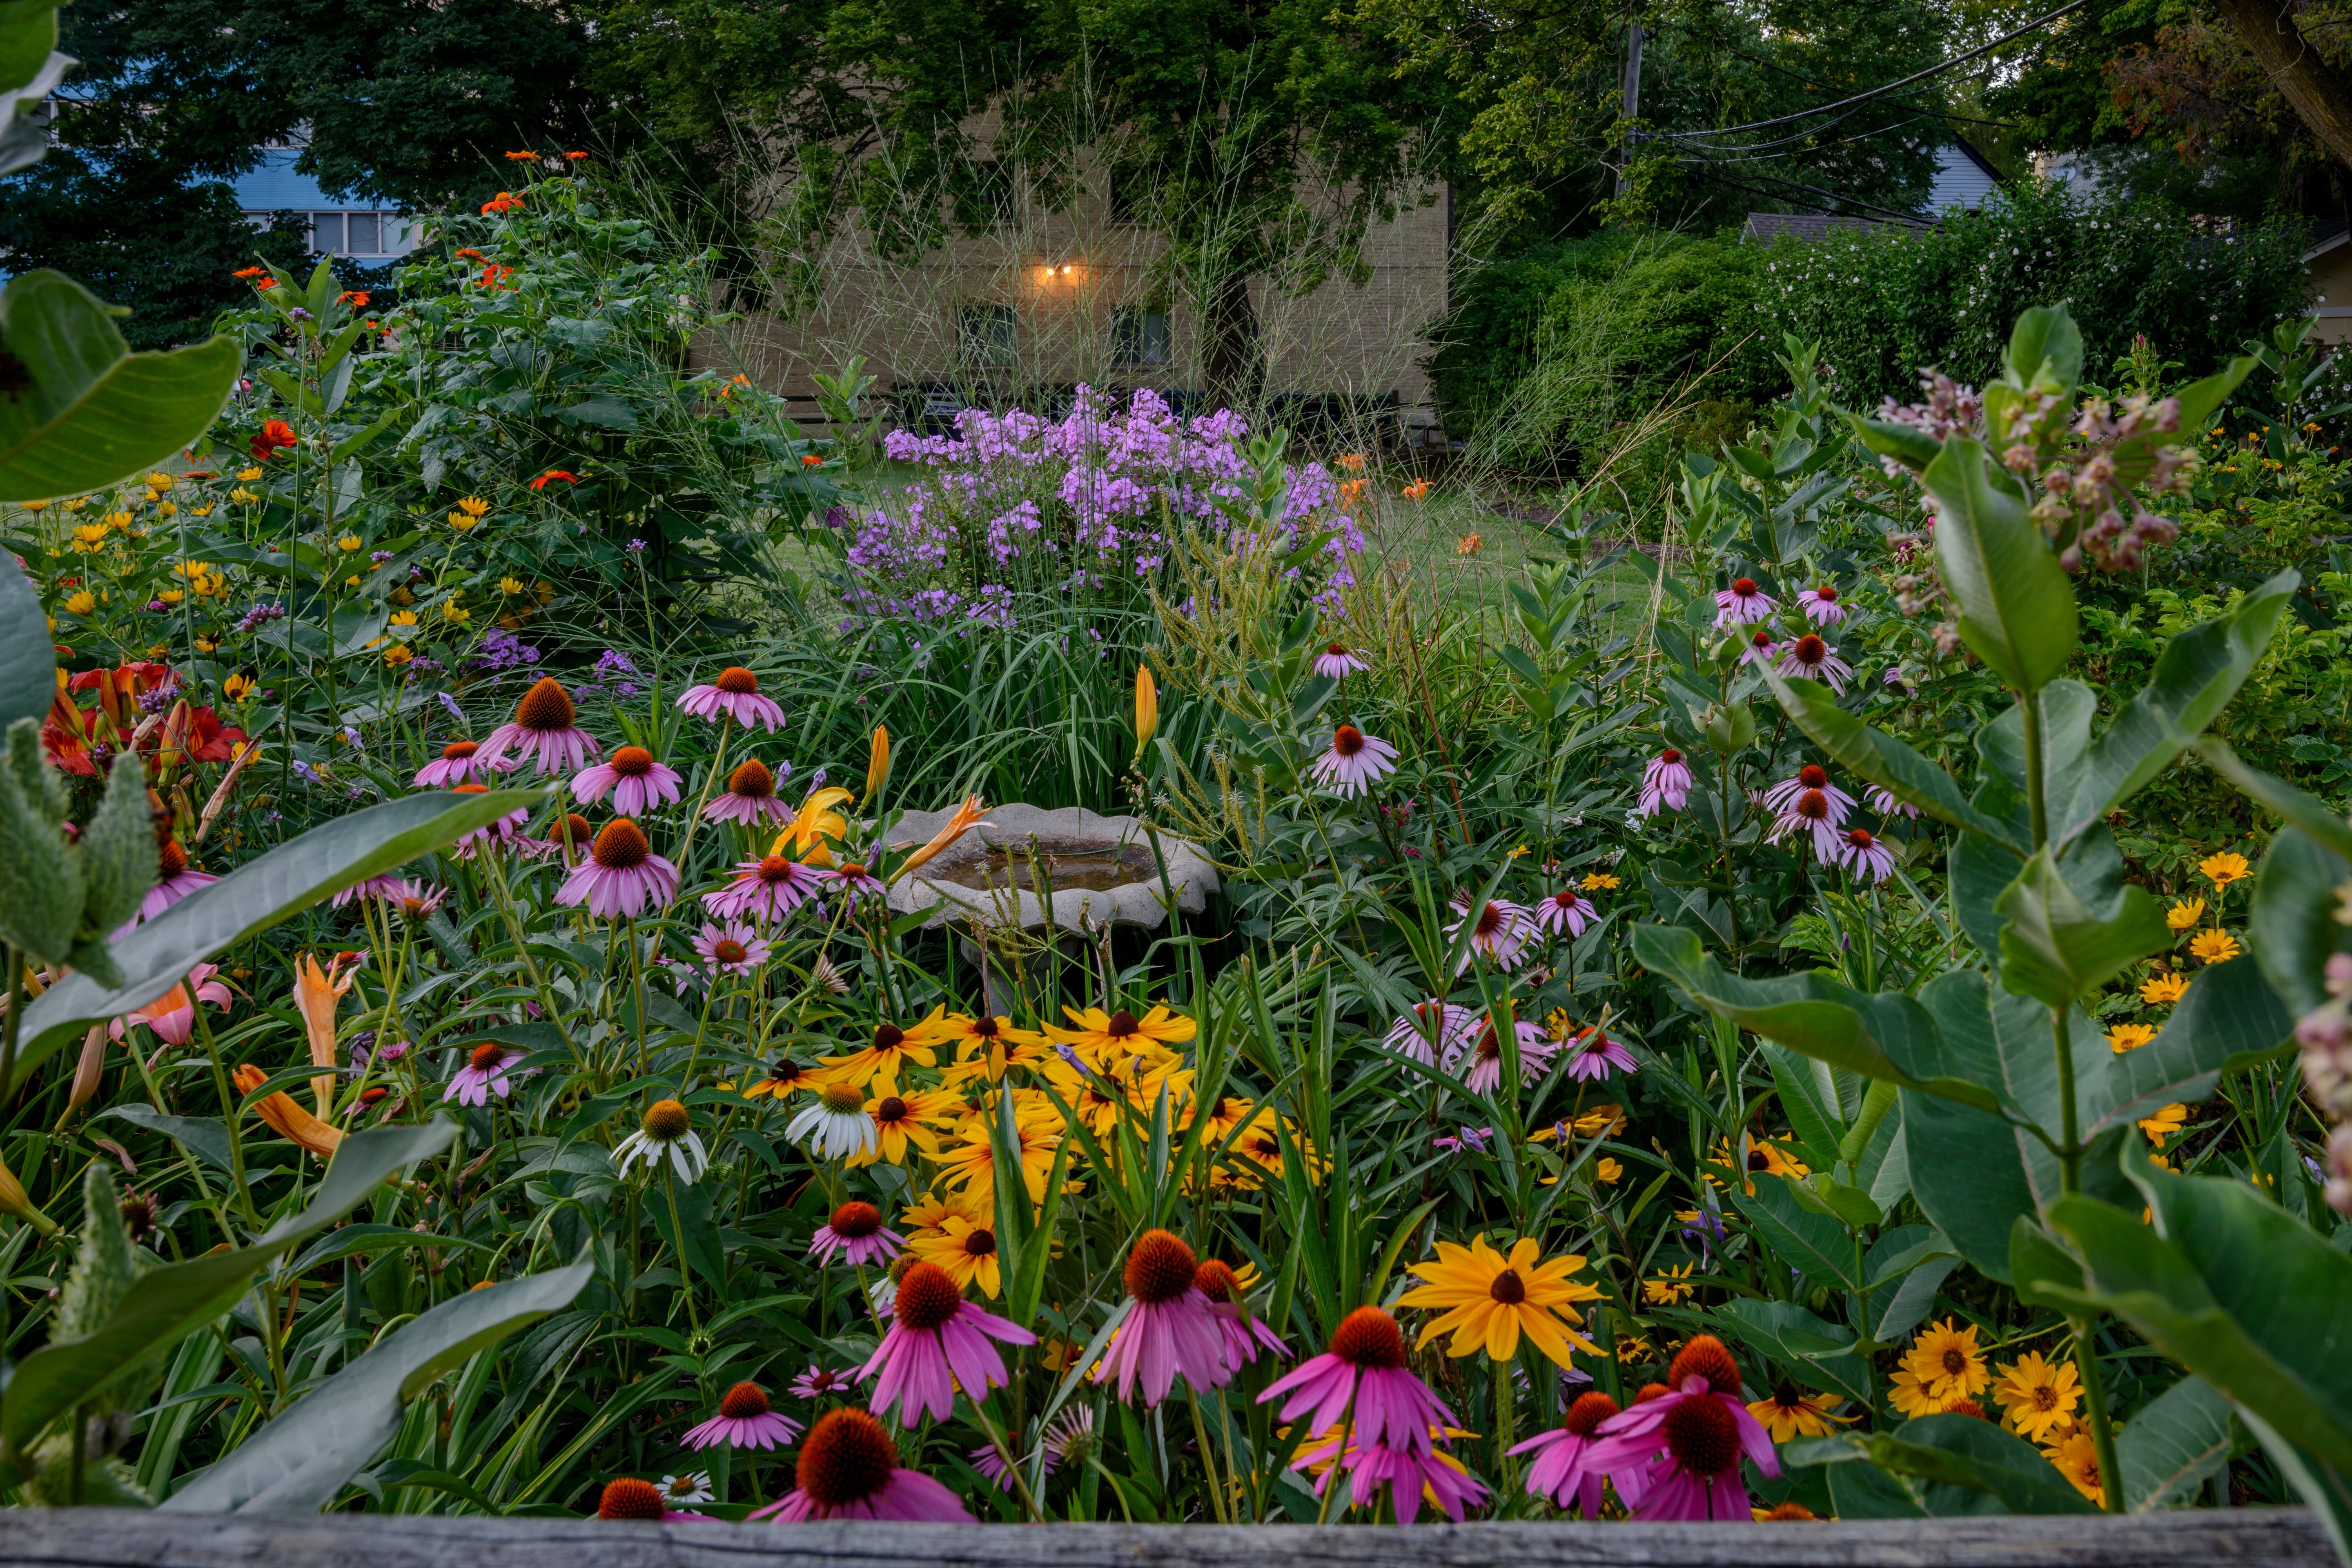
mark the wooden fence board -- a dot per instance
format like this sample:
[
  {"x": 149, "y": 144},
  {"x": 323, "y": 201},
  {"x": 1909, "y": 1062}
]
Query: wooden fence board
[{"x": 96, "y": 1538}]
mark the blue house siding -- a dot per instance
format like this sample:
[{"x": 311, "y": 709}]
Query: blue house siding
[{"x": 345, "y": 228}]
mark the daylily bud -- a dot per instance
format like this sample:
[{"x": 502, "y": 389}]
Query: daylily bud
[
  {"x": 1147, "y": 709},
  {"x": 14, "y": 1199},
  {"x": 878, "y": 764}
]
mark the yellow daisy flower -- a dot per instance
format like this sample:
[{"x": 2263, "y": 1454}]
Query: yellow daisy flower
[
  {"x": 2038, "y": 1395},
  {"x": 2163, "y": 990},
  {"x": 966, "y": 1250},
  {"x": 1943, "y": 1357},
  {"x": 1099, "y": 1036},
  {"x": 2214, "y": 946},
  {"x": 970, "y": 1163},
  {"x": 2129, "y": 1036},
  {"x": 1788, "y": 1414},
  {"x": 900, "y": 1122},
  {"x": 894, "y": 1046},
  {"x": 989, "y": 1045},
  {"x": 1490, "y": 1298},
  {"x": 2185, "y": 914},
  {"x": 2077, "y": 1458},
  {"x": 1599, "y": 881},
  {"x": 2164, "y": 1122},
  {"x": 2224, "y": 868},
  {"x": 1668, "y": 1286},
  {"x": 1607, "y": 1170}
]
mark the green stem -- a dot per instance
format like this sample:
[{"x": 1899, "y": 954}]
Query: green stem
[
  {"x": 2094, "y": 1415},
  {"x": 2037, "y": 803}
]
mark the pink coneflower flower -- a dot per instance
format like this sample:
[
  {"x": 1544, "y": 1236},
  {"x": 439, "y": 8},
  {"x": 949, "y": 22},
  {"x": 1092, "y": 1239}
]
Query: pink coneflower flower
[
  {"x": 1815, "y": 659},
  {"x": 745, "y": 1421},
  {"x": 621, "y": 874},
  {"x": 457, "y": 764},
  {"x": 1820, "y": 605},
  {"x": 636, "y": 782},
  {"x": 856, "y": 1236},
  {"x": 856, "y": 880},
  {"x": 176, "y": 878},
  {"x": 1810, "y": 802},
  {"x": 1742, "y": 604},
  {"x": 1567, "y": 910},
  {"x": 1865, "y": 854},
  {"x": 1499, "y": 929},
  {"x": 1246, "y": 1337},
  {"x": 1592, "y": 1056},
  {"x": 568, "y": 836},
  {"x": 503, "y": 830},
  {"x": 383, "y": 887},
  {"x": 630, "y": 1498},
  {"x": 1339, "y": 660},
  {"x": 1760, "y": 648},
  {"x": 484, "y": 1074},
  {"x": 1365, "y": 1366},
  {"x": 734, "y": 692},
  {"x": 1370, "y": 1465},
  {"x": 173, "y": 1016},
  {"x": 1483, "y": 1056},
  {"x": 1883, "y": 801},
  {"x": 1411, "y": 1033},
  {"x": 1687, "y": 1444},
  {"x": 414, "y": 901},
  {"x": 749, "y": 798},
  {"x": 545, "y": 726},
  {"x": 849, "y": 1469},
  {"x": 822, "y": 1382},
  {"x": 765, "y": 890},
  {"x": 1665, "y": 784},
  {"x": 732, "y": 949},
  {"x": 1168, "y": 1328},
  {"x": 935, "y": 1332},
  {"x": 1561, "y": 1473},
  {"x": 991, "y": 1466},
  {"x": 1354, "y": 761},
  {"x": 1894, "y": 677}
]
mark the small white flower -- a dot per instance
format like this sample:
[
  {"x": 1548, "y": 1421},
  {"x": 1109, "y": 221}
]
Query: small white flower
[
  {"x": 835, "y": 1122},
  {"x": 665, "y": 1133},
  {"x": 692, "y": 1487}
]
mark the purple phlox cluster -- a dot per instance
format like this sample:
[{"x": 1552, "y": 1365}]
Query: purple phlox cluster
[{"x": 503, "y": 650}]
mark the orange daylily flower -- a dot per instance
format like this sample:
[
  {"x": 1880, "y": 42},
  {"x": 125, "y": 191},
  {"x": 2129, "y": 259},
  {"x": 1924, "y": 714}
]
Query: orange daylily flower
[
  {"x": 966, "y": 817},
  {"x": 288, "y": 1120},
  {"x": 316, "y": 993}
]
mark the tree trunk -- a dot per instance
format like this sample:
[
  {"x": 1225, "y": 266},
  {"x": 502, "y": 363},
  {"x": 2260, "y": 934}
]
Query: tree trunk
[
  {"x": 1231, "y": 358},
  {"x": 2315, "y": 89}
]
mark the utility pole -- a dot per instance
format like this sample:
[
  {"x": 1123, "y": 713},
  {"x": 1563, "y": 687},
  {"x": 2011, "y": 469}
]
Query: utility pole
[{"x": 1633, "y": 97}]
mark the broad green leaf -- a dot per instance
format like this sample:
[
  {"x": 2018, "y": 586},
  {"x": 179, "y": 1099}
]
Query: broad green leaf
[
  {"x": 1881, "y": 758},
  {"x": 2267, "y": 1332},
  {"x": 2068, "y": 709},
  {"x": 1816, "y": 1245},
  {"x": 2291, "y": 926},
  {"x": 1809, "y": 1097},
  {"x": 299, "y": 1462},
  {"x": 1865, "y": 1492},
  {"x": 2230, "y": 1019},
  {"x": 2017, "y": 609},
  {"x": 31, "y": 68},
  {"x": 2174, "y": 1445},
  {"x": 1968, "y": 1451},
  {"x": 2034, "y": 1256},
  {"x": 28, "y": 660},
  {"x": 1906, "y": 1267},
  {"x": 2326, "y": 1489},
  {"x": 2307, "y": 812},
  {"x": 1906, "y": 444},
  {"x": 177, "y": 1298},
  {"x": 2044, "y": 352},
  {"x": 2056, "y": 950},
  {"x": 1818, "y": 1352},
  {"x": 203, "y": 1136},
  {"x": 94, "y": 411},
  {"x": 253, "y": 897},
  {"x": 1980, "y": 872},
  {"x": 1883, "y": 1036},
  {"x": 2194, "y": 676}
]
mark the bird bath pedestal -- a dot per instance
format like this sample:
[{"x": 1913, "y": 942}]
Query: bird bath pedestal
[{"x": 1050, "y": 873}]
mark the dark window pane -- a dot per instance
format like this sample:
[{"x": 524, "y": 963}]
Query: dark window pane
[
  {"x": 363, "y": 237},
  {"x": 327, "y": 232}
]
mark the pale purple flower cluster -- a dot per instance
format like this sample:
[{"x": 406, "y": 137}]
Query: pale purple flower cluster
[{"x": 501, "y": 649}]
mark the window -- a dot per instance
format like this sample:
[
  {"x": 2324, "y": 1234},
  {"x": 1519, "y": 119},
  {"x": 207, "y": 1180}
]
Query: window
[
  {"x": 327, "y": 232},
  {"x": 364, "y": 236},
  {"x": 1139, "y": 336},
  {"x": 985, "y": 335}
]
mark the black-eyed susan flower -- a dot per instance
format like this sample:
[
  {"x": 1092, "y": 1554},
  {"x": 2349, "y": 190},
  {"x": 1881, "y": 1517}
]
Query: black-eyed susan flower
[
  {"x": 966, "y": 1248},
  {"x": 904, "y": 1121},
  {"x": 1790, "y": 1412},
  {"x": 1943, "y": 1357},
  {"x": 1102, "y": 1037},
  {"x": 894, "y": 1046},
  {"x": 989, "y": 1045},
  {"x": 1489, "y": 1299},
  {"x": 1668, "y": 1286},
  {"x": 2038, "y": 1395}
]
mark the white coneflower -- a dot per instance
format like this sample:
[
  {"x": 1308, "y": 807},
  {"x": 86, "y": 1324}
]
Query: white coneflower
[
  {"x": 666, "y": 1133},
  {"x": 693, "y": 1486},
  {"x": 835, "y": 1122}
]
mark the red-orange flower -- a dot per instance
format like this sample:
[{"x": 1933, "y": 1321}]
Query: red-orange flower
[
  {"x": 565, "y": 475},
  {"x": 505, "y": 201},
  {"x": 811, "y": 460},
  {"x": 494, "y": 276},
  {"x": 250, "y": 272},
  {"x": 575, "y": 157},
  {"x": 275, "y": 435},
  {"x": 520, "y": 158},
  {"x": 469, "y": 253},
  {"x": 357, "y": 299}
]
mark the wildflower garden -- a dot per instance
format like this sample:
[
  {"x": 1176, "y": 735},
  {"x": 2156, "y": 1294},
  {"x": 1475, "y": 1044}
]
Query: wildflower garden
[{"x": 519, "y": 1001}]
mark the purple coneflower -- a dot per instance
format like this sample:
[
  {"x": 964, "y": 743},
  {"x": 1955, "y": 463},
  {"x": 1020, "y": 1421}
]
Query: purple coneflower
[
  {"x": 735, "y": 693},
  {"x": 1411, "y": 1033},
  {"x": 1820, "y": 605},
  {"x": 1760, "y": 648},
  {"x": 176, "y": 878},
  {"x": 1484, "y": 1056},
  {"x": 1810, "y": 802},
  {"x": 384, "y": 887},
  {"x": 636, "y": 782},
  {"x": 631, "y": 1498},
  {"x": 545, "y": 726},
  {"x": 1592, "y": 1056},
  {"x": 1338, "y": 660},
  {"x": 1687, "y": 1444},
  {"x": 1865, "y": 854},
  {"x": 745, "y": 1421},
  {"x": 1894, "y": 677},
  {"x": 1499, "y": 929},
  {"x": 1245, "y": 1336},
  {"x": 1883, "y": 801},
  {"x": 489, "y": 836},
  {"x": 1363, "y": 1379},
  {"x": 821, "y": 1382},
  {"x": 749, "y": 798},
  {"x": 1815, "y": 659},
  {"x": 766, "y": 889},
  {"x": 856, "y": 1236},
  {"x": 732, "y": 949},
  {"x": 856, "y": 880},
  {"x": 569, "y": 835},
  {"x": 484, "y": 1074},
  {"x": 991, "y": 1466},
  {"x": 1354, "y": 761},
  {"x": 1665, "y": 784},
  {"x": 1566, "y": 910},
  {"x": 1742, "y": 604},
  {"x": 1560, "y": 1472},
  {"x": 457, "y": 764},
  {"x": 849, "y": 1468},
  {"x": 621, "y": 875},
  {"x": 937, "y": 1342},
  {"x": 1168, "y": 1329},
  {"x": 414, "y": 901},
  {"x": 1409, "y": 1476}
]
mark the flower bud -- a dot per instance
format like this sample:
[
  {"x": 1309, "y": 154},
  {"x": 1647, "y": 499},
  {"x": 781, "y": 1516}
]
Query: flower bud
[{"x": 118, "y": 851}]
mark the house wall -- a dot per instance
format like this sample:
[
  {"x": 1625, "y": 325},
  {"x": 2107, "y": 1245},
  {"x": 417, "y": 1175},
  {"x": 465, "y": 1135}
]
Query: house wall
[
  {"x": 2331, "y": 281},
  {"x": 354, "y": 229}
]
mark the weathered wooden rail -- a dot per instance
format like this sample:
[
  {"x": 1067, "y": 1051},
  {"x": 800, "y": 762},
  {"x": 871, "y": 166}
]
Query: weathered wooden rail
[{"x": 94, "y": 1538}]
